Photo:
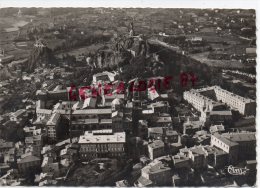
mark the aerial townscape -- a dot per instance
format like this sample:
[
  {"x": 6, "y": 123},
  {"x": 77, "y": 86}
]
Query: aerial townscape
[{"x": 127, "y": 97}]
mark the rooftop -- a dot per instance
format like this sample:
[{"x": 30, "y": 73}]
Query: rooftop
[
  {"x": 167, "y": 119},
  {"x": 45, "y": 161},
  {"x": 144, "y": 182},
  {"x": 160, "y": 104},
  {"x": 193, "y": 124},
  {"x": 105, "y": 121},
  {"x": 64, "y": 142},
  {"x": 4, "y": 144},
  {"x": 197, "y": 150},
  {"x": 89, "y": 102},
  {"x": 212, "y": 149},
  {"x": 92, "y": 111},
  {"x": 225, "y": 140},
  {"x": 171, "y": 132},
  {"x": 18, "y": 112},
  {"x": 117, "y": 101},
  {"x": 216, "y": 88},
  {"x": 240, "y": 137},
  {"x": 123, "y": 183},
  {"x": 102, "y": 136},
  {"x": 115, "y": 96},
  {"x": 216, "y": 128},
  {"x": 43, "y": 111},
  {"x": 86, "y": 121},
  {"x": 31, "y": 139},
  {"x": 28, "y": 159},
  {"x": 45, "y": 149},
  {"x": 54, "y": 119},
  {"x": 221, "y": 113},
  {"x": 156, "y": 144},
  {"x": 105, "y": 73},
  {"x": 29, "y": 129},
  {"x": 152, "y": 93},
  {"x": 155, "y": 166},
  {"x": 157, "y": 130}
]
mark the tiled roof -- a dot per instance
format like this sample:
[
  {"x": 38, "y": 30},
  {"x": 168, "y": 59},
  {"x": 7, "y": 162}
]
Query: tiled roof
[
  {"x": 90, "y": 137},
  {"x": 93, "y": 111},
  {"x": 28, "y": 159},
  {"x": 156, "y": 144}
]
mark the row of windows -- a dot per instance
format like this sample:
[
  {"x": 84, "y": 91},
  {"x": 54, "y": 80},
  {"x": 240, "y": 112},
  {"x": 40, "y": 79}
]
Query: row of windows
[
  {"x": 94, "y": 155},
  {"x": 90, "y": 127},
  {"x": 89, "y": 155},
  {"x": 105, "y": 144},
  {"x": 100, "y": 116},
  {"x": 220, "y": 143},
  {"x": 102, "y": 149},
  {"x": 52, "y": 135},
  {"x": 196, "y": 101},
  {"x": 230, "y": 100}
]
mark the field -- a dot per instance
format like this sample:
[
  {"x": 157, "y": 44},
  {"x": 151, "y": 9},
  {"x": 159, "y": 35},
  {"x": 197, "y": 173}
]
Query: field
[
  {"x": 12, "y": 23},
  {"x": 202, "y": 57},
  {"x": 9, "y": 31},
  {"x": 83, "y": 50}
]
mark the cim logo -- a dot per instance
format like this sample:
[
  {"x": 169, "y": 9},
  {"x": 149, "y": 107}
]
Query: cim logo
[{"x": 236, "y": 171}]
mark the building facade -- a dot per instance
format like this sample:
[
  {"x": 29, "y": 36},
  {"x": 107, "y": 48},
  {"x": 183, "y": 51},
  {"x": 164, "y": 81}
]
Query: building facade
[
  {"x": 102, "y": 143},
  {"x": 239, "y": 146},
  {"x": 157, "y": 172},
  {"x": 28, "y": 162},
  {"x": 208, "y": 96},
  {"x": 156, "y": 149}
]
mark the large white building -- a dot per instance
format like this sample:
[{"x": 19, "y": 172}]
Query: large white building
[
  {"x": 102, "y": 143},
  {"x": 238, "y": 145},
  {"x": 244, "y": 105},
  {"x": 52, "y": 126},
  {"x": 198, "y": 101},
  {"x": 201, "y": 97},
  {"x": 81, "y": 119}
]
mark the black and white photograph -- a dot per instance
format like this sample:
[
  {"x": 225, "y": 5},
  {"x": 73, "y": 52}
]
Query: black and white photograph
[{"x": 127, "y": 97}]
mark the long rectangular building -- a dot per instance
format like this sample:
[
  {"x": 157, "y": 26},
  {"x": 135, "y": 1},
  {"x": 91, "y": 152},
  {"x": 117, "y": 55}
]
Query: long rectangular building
[
  {"x": 210, "y": 95},
  {"x": 239, "y": 146},
  {"x": 244, "y": 105},
  {"x": 197, "y": 100},
  {"x": 102, "y": 144}
]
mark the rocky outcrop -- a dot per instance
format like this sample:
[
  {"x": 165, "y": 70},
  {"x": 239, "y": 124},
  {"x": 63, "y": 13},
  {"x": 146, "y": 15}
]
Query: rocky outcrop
[
  {"x": 40, "y": 56},
  {"x": 5, "y": 74}
]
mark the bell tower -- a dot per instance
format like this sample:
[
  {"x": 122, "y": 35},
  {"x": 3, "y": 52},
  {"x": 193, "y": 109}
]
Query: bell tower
[{"x": 131, "y": 32}]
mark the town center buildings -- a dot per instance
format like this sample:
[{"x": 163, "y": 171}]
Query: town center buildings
[
  {"x": 102, "y": 143},
  {"x": 215, "y": 95},
  {"x": 239, "y": 146}
]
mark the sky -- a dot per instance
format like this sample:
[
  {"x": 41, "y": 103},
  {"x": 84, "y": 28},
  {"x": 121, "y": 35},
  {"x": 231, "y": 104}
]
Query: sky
[{"x": 245, "y": 4}]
